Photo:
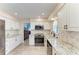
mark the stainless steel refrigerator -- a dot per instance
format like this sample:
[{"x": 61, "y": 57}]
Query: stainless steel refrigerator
[{"x": 2, "y": 37}]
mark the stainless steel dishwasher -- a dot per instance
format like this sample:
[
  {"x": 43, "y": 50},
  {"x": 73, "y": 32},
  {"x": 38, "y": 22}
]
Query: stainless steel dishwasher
[{"x": 49, "y": 48}]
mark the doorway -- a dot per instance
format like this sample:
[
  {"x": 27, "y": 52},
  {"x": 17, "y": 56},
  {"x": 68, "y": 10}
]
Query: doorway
[{"x": 27, "y": 32}]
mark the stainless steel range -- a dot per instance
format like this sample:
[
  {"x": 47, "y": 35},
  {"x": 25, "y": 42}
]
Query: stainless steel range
[{"x": 39, "y": 39}]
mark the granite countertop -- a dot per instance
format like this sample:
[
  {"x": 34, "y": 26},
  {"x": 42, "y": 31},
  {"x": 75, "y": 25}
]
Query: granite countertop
[
  {"x": 59, "y": 49},
  {"x": 62, "y": 47},
  {"x": 70, "y": 49},
  {"x": 65, "y": 44}
]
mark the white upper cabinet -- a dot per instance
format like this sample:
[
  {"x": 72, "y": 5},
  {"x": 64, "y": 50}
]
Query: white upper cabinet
[
  {"x": 62, "y": 18},
  {"x": 11, "y": 25},
  {"x": 68, "y": 17},
  {"x": 74, "y": 17}
]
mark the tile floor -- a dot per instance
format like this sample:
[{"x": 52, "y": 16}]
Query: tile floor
[{"x": 25, "y": 49}]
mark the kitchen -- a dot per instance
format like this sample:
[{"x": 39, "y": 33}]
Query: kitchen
[{"x": 53, "y": 33}]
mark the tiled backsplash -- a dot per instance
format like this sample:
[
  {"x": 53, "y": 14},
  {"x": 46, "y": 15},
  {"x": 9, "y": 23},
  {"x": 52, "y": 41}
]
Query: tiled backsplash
[{"x": 12, "y": 33}]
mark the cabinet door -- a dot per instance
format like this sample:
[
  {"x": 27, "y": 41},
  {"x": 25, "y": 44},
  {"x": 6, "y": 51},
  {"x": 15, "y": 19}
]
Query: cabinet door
[
  {"x": 8, "y": 24},
  {"x": 10, "y": 44},
  {"x": 18, "y": 40},
  {"x": 74, "y": 17},
  {"x": 62, "y": 18}
]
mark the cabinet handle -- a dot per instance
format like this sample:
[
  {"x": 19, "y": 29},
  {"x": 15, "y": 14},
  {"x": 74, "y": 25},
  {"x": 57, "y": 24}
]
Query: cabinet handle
[{"x": 65, "y": 26}]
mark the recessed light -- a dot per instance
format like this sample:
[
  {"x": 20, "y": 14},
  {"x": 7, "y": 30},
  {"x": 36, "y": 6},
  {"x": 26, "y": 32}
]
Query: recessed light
[
  {"x": 42, "y": 13},
  {"x": 39, "y": 16},
  {"x": 15, "y": 13},
  {"x": 54, "y": 18}
]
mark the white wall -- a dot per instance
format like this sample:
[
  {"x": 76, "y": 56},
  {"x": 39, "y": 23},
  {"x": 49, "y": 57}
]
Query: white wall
[{"x": 22, "y": 30}]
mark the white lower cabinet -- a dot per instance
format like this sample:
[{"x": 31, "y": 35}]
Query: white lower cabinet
[
  {"x": 53, "y": 51},
  {"x": 12, "y": 43},
  {"x": 18, "y": 40}
]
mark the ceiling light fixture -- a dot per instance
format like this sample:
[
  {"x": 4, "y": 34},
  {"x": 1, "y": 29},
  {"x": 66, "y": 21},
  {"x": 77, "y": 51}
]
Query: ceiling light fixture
[
  {"x": 16, "y": 13},
  {"x": 39, "y": 18},
  {"x": 42, "y": 13},
  {"x": 54, "y": 18}
]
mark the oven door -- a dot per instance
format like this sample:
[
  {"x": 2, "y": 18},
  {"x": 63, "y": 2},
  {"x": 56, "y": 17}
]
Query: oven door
[{"x": 49, "y": 48}]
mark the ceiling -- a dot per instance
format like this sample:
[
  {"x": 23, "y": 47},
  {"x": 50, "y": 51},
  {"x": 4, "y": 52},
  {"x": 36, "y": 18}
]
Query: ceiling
[{"x": 28, "y": 10}]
